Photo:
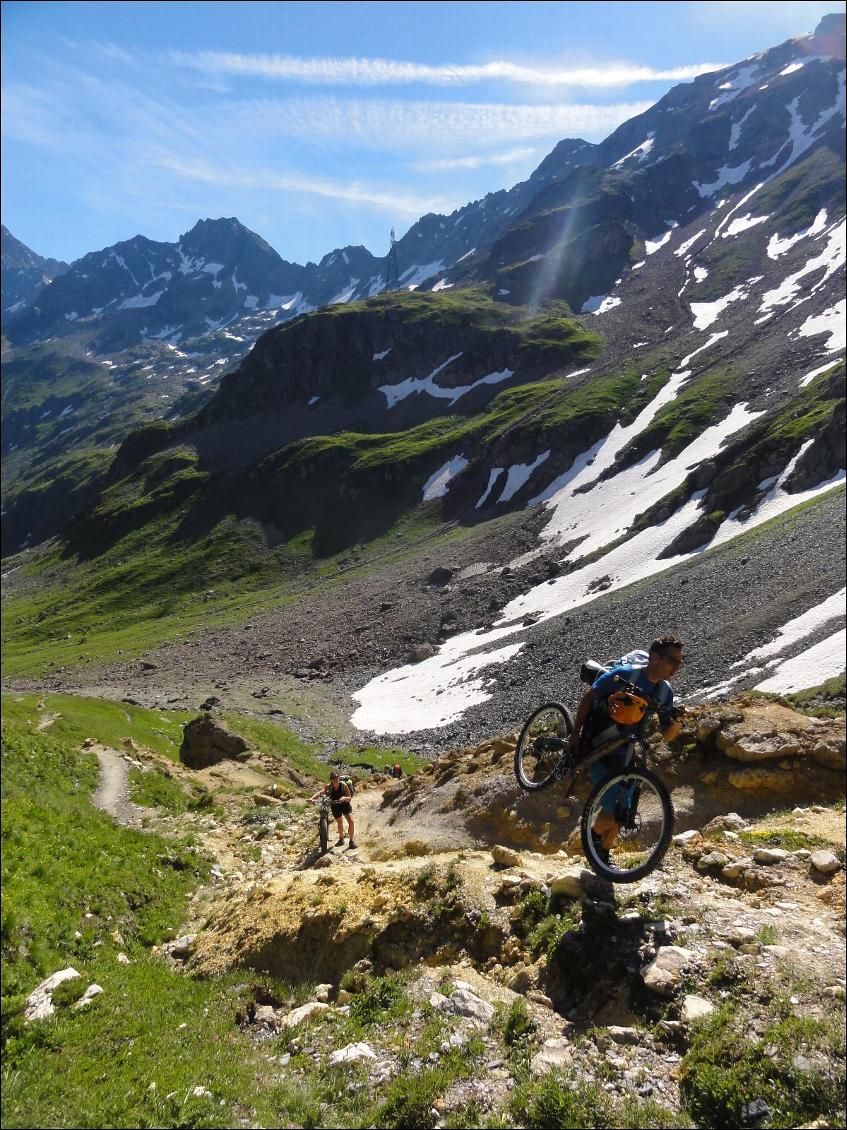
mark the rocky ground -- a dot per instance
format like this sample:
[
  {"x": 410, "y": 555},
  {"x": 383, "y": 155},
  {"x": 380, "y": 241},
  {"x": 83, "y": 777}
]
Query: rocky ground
[{"x": 513, "y": 958}]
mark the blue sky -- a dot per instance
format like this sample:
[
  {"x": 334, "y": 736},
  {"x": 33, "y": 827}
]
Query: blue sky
[{"x": 324, "y": 124}]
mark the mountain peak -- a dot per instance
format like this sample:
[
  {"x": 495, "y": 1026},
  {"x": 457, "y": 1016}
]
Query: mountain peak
[
  {"x": 223, "y": 226},
  {"x": 829, "y": 35}
]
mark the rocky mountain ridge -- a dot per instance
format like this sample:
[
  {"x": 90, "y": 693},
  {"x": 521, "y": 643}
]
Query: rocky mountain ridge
[{"x": 24, "y": 273}]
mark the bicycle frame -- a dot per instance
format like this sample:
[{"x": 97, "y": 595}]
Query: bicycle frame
[{"x": 566, "y": 774}]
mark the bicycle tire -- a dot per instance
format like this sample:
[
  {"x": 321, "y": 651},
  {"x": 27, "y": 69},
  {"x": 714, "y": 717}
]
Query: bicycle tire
[
  {"x": 534, "y": 767},
  {"x": 631, "y": 859},
  {"x": 323, "y": 832}
]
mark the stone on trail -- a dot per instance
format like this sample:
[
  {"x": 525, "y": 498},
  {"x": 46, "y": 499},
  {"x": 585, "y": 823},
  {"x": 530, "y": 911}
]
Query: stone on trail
[
  {"x": 695, "y": 1008},
  {"x": 505, "y": 856},
  {"x": 688, "y": 837},
  {"x": 624, "y": 1035},
  {"x": 770, "y": 855},
  {"x": 182, "y": 946},
  {"x": 826, "y": 862},
  {"x": 737, "y": 867},
  {"x": 323, "y": 993},
  {"x": 304, "y": 1012},
  {"x": 574, "y": 882},
  {"x": 39, "y": 1003},
  {"x": 352, "y": 1053},
  {"x": 712, "y": 859},
  {"x": 554, "y": 1053},
  {"x": 463, "y": 1002},
  {"x": 728, "y": 822},
  {"x": 664, "y": 973}
]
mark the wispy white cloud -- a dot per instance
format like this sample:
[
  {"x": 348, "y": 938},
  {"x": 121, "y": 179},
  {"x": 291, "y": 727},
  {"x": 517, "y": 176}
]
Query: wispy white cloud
[
  {"x": 353, "y": 192},
  {"x": 389, "y": 72},
  {"x": 402, "y": 125},
  {"x": 445, "y": 164}
]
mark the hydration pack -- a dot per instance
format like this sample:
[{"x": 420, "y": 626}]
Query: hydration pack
[{"x": 348, "y": 781}]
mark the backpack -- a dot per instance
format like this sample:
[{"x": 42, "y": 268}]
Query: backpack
[{"x": 348, "y": 781}]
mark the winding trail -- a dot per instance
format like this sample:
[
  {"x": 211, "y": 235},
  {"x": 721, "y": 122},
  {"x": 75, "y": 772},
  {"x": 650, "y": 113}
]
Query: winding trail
[{"x": 112, "y": 795}]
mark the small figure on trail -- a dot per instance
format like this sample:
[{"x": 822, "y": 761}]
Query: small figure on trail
[
  {"x": 603, "y": 713},
  {"x": 340, "y": 796}
]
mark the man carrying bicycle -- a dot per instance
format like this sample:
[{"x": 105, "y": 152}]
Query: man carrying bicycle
[{"x": 605, "y": 711}]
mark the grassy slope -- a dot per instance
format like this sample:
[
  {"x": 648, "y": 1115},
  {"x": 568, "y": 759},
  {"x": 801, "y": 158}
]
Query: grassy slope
[{"x": 95, "y": 1067}]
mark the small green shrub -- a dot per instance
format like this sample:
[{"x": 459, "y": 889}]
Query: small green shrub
[
  {"x": 383, "y": 998},
  {"x": 426, "y": 883},
  {"x": 531, "y": 910},
  {"x": 408, "y": 1104},
  {"x": 519, "y": 1025},
  {"x": 557, "y": 1102}
]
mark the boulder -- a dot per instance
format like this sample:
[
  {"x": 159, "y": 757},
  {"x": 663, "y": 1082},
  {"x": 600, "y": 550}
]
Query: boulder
[
  {"x": 39, "y": 1003},
  {"x": 182, "y": 946},
  {"x": 826, "y": 862},
  {"x": 764, "y": 780},
  {"x": 664, "y": 973},
  {"x": 93, "y": 990},
  {"x": 574, "y": 882},
  {"x": 728, "y": 822},
  {"x": 352, "y": 1053},
  {"x": 304, "y": 1012},
  {"x": 206, "y": 742},
  {"x": 463, "y": 1002},
  {"x": 695, "y": 1008},
  {"x": 770, "y": 731},
  {"x": 624, "y": 1035},
  {"x": 505, "y": 857},
  {"x": 688, "y": 837},
  {"x": 554, "y": 1053},
  {"x": 770, "y": 855}
]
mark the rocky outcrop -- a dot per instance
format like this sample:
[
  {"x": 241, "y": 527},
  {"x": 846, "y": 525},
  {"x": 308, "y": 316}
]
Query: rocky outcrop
[
  {"x": 764, "y": 731},
  {"x": 205, "y": 742}
]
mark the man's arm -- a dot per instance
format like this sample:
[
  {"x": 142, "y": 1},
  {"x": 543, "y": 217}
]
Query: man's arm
[{"x": 670, "y": 729}]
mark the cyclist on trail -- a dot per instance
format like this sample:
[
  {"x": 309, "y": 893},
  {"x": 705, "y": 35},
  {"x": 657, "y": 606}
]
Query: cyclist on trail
[
  {"x": 594, "y": 724},
  {"x": 340, "y": 799}
]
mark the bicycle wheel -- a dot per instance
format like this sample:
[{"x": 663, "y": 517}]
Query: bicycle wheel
[
  {"x": 541, "y": 744},
  {"x": 641, "y": 806},
  {"x": 323, "y": 831}
]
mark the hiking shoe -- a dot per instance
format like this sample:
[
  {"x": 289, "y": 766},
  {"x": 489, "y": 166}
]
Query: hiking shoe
[
  {"x": 340, "y": 843},
  {"x": 351, "y": 846}
]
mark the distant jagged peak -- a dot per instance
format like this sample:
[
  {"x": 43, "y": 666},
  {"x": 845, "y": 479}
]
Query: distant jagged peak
[
  {"x": 829, "y": 36},
  {"x": 564, "y": 154},
  {"x": 225, "y": 233},
  {"x": 16, "y": 256},
  {"x": 348, "y": 255}
]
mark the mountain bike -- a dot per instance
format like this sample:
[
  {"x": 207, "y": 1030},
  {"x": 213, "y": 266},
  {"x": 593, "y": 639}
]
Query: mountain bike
[
  {"x": 638, "y": 799},
  {"x": 325, "y": 806}
]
